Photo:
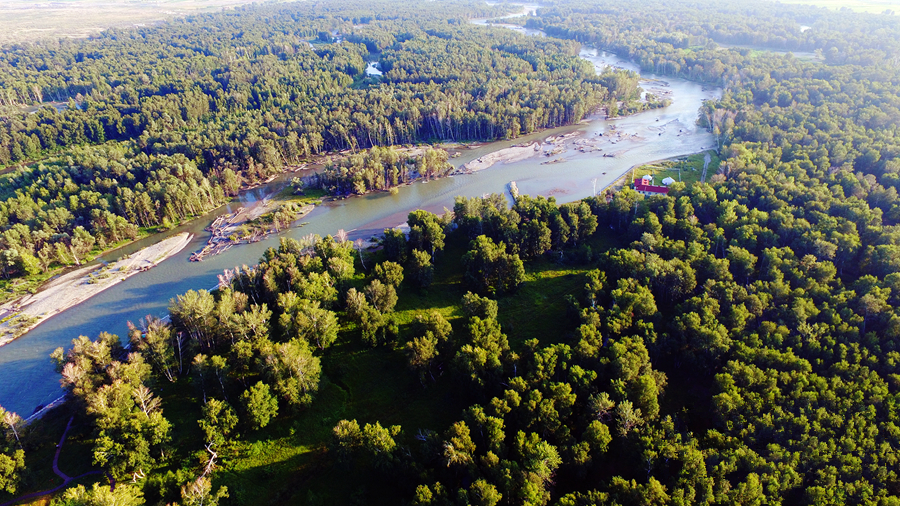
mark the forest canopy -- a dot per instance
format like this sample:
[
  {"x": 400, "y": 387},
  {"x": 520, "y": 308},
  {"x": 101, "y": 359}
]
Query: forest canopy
[
  {"x": 736, "y": 342},
  {"x": 163, "y": 124}
]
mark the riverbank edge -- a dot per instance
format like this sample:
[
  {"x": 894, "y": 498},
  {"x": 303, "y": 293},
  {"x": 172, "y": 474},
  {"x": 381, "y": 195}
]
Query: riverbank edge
[
  {"x": 146, "y": 233},
  {"x": 150, "y": 257}
]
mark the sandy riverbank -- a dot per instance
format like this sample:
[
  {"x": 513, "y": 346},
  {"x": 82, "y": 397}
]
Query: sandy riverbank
[
  {"x": 508, "y": 155},
  {"x": 21, "y": 315}
]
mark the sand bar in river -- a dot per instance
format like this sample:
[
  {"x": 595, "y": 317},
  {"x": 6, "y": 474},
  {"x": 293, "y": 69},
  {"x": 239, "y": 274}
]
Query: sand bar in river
[
  {"x": 21, "y": 315},
  {"x": 508, "y": 155}
]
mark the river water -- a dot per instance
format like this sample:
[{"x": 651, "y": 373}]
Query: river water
[{"x": 28, "y": 379}]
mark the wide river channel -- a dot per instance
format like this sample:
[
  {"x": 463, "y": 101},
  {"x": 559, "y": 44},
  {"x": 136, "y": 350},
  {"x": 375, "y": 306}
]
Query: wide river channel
[{"x": 27, "y": 376}]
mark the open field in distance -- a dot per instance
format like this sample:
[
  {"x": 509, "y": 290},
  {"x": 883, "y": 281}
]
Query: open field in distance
[{"x": 29, "y": 20}]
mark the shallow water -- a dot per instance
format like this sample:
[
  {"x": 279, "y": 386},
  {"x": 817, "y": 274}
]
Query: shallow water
[{"x": 27, "y": 377}]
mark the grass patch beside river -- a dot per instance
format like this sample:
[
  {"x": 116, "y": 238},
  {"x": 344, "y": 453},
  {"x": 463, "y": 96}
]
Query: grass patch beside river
[{"x": 687, "y": 169}]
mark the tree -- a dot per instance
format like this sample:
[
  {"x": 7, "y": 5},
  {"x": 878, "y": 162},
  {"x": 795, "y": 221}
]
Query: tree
[
  {"x": 382, "y": 296},
  {"x": 379, "y": 443},
  {"x": 306, "y": 320},
  {"x": 539, "y": 457},
  {"x": 259, "y": 405},
  {"x": 742, "y": 263},
  {"x": 219, "y": 420},
  {"x": 13, "y": 424},
  {"x": 294, "y": 371},
  {"x": 373, "y": 441},
  {"x": 12, "y": 465},
  {"x": 371, "y": 324},
  {"x": 131, "y": 427},
  {"x": 345, "y": 440},
  {"x": 356, "y": 303},
  {"x": 482, "y": 493},
  {"x": 434, "y": 322},
  {"x": 199, "y": 493},
  {"x": 601, "y": 406},
  {"x": 459, "y": 449},
  {"x": 389, "y": 273},
  {"x": 481, "y": 360},
  {"x": 628, "y": 416},
  {"x": 420, "y": 268},
  {"x": 425, "y": 232},
  {"x": 131, "y": 430},
  {"x": 85, "y": 366},
  {"x": 161, "y": 345},
  {"x": 580, "y": 220},
  {"x": 395, "y": 247},
  {"x": 535, "y": 239},
  {"x": 421, "y": 353},
  {"x": 476, "y": 305},
  {"x": 193, "y": 313},
  {"x": 124, "y": 494},
  {"x": 490, "y": 269},
  {"x": 81, "y": 244},
  {"x": 597, "y": 436}
]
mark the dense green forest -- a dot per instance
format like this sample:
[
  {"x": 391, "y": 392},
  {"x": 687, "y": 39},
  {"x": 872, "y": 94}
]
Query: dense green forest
[
  {"x": 736, "y": 342},
  {"x": 165, "y": 123}
]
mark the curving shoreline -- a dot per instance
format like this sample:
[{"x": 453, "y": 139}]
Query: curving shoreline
[{"x": 19, "y": 316}]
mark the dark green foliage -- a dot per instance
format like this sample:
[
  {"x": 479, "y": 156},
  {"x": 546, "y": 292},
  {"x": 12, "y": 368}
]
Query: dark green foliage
[
  {"x": 389, "y": 273},
  {"x": 426, "y": 232},
  {"x": 219, "y": 420},
  {"x": 12, "y": 455},
  {"x": 260, "y": 406},
  {"x": 130, "y": 430},
  {"x": 420, "y": 268},
  {"x": 394, "y": 245},
  {"x": 482, "y": 307},
  {"x": 490, "y": 269},
  {"x": 736, "y": 342}
]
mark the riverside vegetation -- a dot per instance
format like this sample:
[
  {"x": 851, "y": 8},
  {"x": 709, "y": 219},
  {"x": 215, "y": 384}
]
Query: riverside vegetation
[
  {"x": 733, "y": 343},
  {"x": 166, "y": 123}
]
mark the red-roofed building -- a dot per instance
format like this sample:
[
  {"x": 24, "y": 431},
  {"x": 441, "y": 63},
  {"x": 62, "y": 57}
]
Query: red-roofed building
[{"x": 644, "y": 186}]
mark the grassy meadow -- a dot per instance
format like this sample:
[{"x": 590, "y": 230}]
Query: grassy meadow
[{"x": 687, "y": 169}]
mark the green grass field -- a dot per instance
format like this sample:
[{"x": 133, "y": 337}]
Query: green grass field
[{"x": 687, "y": 169}]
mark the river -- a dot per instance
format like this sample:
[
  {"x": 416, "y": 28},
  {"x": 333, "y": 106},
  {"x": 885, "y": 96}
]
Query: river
[{"x": 28, "y": 379}]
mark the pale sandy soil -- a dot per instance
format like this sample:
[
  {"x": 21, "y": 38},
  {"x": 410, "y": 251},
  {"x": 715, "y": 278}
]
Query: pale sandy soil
[
  {"x": 21, "y": 315},
  {"x": 30, "y": 20},
  {"x": 508, "y": 155}
]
